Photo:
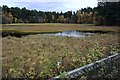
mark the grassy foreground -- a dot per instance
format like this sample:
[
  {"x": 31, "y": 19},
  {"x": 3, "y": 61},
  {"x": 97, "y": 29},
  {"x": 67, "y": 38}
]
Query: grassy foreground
[
  {"x": 38, "y": 56},
  {"x": 55, "y": 27}
]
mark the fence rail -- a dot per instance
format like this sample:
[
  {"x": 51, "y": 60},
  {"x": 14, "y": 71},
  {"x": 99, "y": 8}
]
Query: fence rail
[{"x": 87, "y": 68}]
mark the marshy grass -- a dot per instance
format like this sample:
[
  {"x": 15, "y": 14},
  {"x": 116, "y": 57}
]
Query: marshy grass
[
  {"x": 56, "y": 27},
  {"x": 42, "y": 56}
]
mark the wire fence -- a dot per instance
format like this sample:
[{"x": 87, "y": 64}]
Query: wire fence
[{"x": 107, "y": 63}]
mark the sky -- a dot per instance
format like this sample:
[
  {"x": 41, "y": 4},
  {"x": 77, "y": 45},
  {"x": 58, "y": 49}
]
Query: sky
[{"x": 50, "y": 5}]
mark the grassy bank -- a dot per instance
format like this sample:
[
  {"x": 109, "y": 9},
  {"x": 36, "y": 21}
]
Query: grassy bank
[
  {"x": 38, "y": 56},
  {"x": 56, "y": 27}
]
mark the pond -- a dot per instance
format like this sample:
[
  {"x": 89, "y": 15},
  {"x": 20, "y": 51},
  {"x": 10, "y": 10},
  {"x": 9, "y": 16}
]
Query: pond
[{"x": 71, "y": 33}]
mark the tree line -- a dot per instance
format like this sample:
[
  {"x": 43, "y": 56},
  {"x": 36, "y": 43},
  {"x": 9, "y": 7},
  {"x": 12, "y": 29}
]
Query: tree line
[{"x": 106, "y": 13}]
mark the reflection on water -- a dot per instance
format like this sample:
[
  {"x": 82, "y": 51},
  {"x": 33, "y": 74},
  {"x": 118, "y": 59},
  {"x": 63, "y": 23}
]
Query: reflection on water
[{"x": 72, "y": 33}]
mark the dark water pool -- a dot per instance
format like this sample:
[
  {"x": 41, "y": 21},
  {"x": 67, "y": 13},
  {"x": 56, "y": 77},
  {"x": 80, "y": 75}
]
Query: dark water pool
[{"x": 69, "y": 33}]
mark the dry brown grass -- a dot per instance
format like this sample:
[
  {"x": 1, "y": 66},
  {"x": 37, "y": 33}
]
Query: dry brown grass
[{"x": 54, "y": 27}]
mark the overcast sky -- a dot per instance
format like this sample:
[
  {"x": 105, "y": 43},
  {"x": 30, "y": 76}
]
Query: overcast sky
[{"x": 50, "y": 5}]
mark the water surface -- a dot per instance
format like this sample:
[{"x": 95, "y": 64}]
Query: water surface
[{"x": 71, "y": 33}]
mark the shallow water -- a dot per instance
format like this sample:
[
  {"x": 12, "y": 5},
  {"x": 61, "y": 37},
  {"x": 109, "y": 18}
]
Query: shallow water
[{"x": 71, "y": 33}]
